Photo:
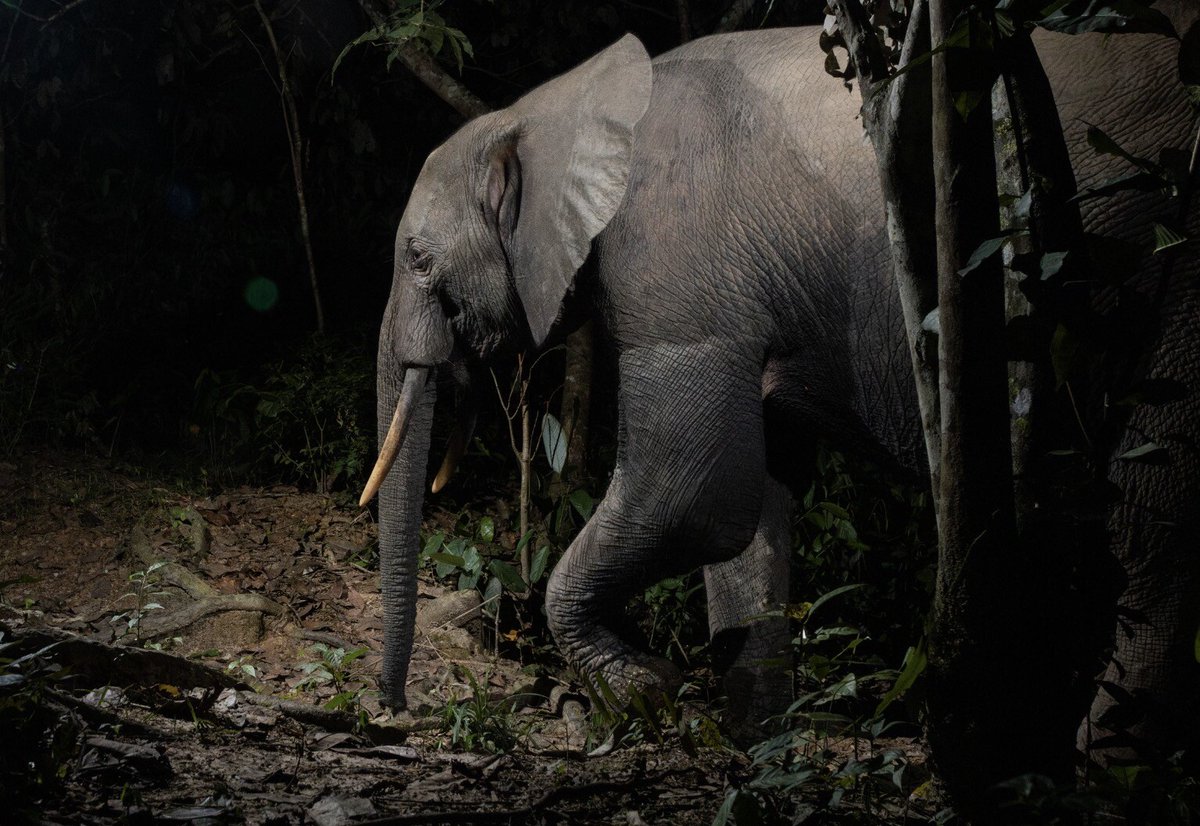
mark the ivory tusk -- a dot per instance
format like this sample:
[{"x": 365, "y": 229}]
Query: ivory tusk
[
  {"x": 410, "y": 394},
  {"x": 459, "y": 440}
]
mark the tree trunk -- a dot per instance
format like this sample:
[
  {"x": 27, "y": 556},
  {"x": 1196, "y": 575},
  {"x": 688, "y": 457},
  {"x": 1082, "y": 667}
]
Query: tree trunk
[
  {"x": 898, "y": 121},
  {"x": 1032, "y": 157},
  {"x": 985, "y": 720}
]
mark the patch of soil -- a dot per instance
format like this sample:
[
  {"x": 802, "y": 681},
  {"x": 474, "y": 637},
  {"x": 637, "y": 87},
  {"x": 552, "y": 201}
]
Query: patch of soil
[{"x": 266, "y": 612}]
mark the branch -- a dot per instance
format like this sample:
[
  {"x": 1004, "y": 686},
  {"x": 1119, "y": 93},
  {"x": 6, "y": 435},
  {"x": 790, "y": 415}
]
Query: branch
[
  {"x": 527, "y": 812},
  {"x": 733, "y": 18},
  {"x": 20, "y": 12},
  {"x": 429, "y": 72},
  {"x": 291, "y": 122},
  {"x": 866, "y": 52},
  {"x": 65, "y": 9}
]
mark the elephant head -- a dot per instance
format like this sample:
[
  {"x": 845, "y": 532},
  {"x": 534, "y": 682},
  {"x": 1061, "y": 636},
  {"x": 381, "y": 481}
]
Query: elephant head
[{"x": 500, "y": 219}]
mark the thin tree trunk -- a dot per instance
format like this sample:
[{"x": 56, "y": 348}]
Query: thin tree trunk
[
  {"x": 898, "y": 122},
  {"x": 291, "y": 122},
  {"x": 685, "y": 23},
  {"x": 575, "y": 409},
  {"x": 526, "y": 458},
  {"x": 978, "y": 724},
  {"x": 1032, "y": 157}
]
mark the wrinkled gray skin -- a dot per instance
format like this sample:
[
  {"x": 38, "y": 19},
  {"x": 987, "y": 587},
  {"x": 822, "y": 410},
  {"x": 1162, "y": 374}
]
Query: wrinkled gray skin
[{"x": 717, "y": 210}]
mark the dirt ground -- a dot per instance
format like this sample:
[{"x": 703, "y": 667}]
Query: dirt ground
[{"x": 205, "y": 636}]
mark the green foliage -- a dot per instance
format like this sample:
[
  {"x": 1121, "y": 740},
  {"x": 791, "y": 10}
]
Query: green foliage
[
  {"x": 829, "y": 753},
  {"x": 413, "y": 22},
  {"x": 862, "y": 533},
  {"x": 39, "y": 738},
  {"x": 864, "y": 547},
  {"x": 335, "y": 669},
  {"x": 635, "y": 717},
  {"x": 478, "y": 723},
  {"x": 1166, "y": 794},
  {"x": 309, "y": 420},
  {"x": 674, "y": 620}
]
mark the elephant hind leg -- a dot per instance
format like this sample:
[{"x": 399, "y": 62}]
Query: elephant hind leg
[{"x": 750, "y": 637}]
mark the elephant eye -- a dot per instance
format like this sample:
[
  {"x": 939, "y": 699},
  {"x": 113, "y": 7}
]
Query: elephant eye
[{"x": 420, "y": 261}]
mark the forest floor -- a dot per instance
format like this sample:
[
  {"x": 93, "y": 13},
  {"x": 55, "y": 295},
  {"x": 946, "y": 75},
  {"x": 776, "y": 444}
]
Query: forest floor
[{"x": 205, "y": 639}]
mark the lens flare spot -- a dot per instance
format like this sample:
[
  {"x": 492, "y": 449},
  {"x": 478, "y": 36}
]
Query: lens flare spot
[{"x": 261, "y": 293}]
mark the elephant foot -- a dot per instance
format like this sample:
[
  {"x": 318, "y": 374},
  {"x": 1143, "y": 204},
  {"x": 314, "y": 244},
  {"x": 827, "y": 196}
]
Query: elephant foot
[
  {"x": 393, "y": 699},
  {"x": 636, "y": 676},
  {"x": 756, "y": 697}
]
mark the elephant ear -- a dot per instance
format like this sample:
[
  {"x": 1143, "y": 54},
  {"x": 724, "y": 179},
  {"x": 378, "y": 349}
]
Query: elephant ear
[{"x": 568, "y": 157}]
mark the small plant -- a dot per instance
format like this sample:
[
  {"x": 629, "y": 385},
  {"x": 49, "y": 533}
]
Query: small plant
[
  {"x": 638, "y": 717},
  {"x": 334, "y": 670},
  {"x": 142, "y": 592},
  {"x": 829, "y": 751},
  {"x": 676, "y": 608},
  {"x": 242, "y": 666},
  {"x": 478, "y": 723},
  {"x": 39, "y": 736}
]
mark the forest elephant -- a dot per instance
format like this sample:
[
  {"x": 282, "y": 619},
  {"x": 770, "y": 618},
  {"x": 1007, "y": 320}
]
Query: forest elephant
[{"x": 717, "y": 211}]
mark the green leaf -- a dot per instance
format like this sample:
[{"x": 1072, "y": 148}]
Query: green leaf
[
  {"x": 1052, "y": 263},
  {"x": 1151, "y": 452},
  {"x": 1100, "y": 141},
  {"x": 582, "y": 502},
  {"x": 835, "y": 509},
  {"x": 1108, "y": 16},
  {"x": 537, "y": 566},
  {"x": 824, "y": 598},
  {"x": 1141, "y": 181},
  {"x": 1155, "y": 392},
  {"x": 472, "y": 561},
  {"x": 554, "y": 443},
  {"x": 915, "y": 660},
  {"x": 354, "y": 654},
  {"x": 1165, "y": 238},
  {"x": 491, "y": 597},
  {"x": 966, "y": 101},
  {"x": 524, "y": 540},
  {"x": 434, "y": 542},
  {"x": 509, "y": 576},
  {"x": 487, "y": 529},
  {"x": 983, "y": 252},
  {"x": 741, "y": 808},
  {"x": 1063, "y": 348}
]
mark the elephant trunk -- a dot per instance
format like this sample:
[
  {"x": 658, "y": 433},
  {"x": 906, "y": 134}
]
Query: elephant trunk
[{"x": 405, "y": 420}]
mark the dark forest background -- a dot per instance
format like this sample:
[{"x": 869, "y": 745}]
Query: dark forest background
[{"x": 155, "y": 297}]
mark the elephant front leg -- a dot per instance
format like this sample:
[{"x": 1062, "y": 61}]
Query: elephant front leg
[
  {"x": 688, "y": 492},
  {"x": 750, "y": 639},
  {"x": 586, "y": 598}
]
